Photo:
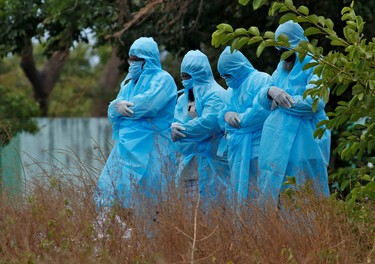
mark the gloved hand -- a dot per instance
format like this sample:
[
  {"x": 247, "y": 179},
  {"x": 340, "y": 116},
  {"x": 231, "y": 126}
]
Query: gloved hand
[
  {"x": 123, "y": 108},
  {"x": 232, "y": 119},
  {"x": 280, "y": 97},
  {"x": 176, "y": 131},
  {"x": 274, "y": 105}
]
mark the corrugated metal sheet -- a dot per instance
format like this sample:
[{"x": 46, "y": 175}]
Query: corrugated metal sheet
[{"x": 63, "y": 147}]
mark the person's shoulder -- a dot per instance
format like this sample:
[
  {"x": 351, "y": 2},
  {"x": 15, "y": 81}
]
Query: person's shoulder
[
  {"x": 164, "y": 73},
  {"x": 216, "y": 86},
  {"x": 263, "y": 75},
  {"x": 212, "y": 88},
  {"x": 256, "y": 77}
]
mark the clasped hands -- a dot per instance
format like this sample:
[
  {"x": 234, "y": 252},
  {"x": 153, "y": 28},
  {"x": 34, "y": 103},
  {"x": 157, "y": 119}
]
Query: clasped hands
[
  {"x": 176, "y": 131},
  {"x": 122, "y": 107},
  {"x": 280, "y": 97},
  {"x": 232, "y": 119}
]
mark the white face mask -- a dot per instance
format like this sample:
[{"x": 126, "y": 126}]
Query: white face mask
[{"x": 135, "y": 70}]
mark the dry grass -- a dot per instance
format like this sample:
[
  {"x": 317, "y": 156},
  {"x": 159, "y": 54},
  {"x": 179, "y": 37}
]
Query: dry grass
[{"x": 57, "y": 223}]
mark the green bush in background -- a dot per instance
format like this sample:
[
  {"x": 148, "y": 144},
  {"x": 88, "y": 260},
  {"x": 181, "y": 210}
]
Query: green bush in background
[{"x": 16, "y": 112}]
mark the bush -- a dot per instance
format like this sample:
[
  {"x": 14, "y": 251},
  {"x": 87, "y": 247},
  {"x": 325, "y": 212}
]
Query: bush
[{"x": 16, "y": 113}]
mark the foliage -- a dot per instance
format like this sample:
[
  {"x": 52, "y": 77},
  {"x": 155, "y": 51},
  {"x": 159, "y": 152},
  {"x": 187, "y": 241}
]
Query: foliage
[
  {"x": 72, "y": 95},
  {"x": 348, "y": 66},
  {"x": 55, "y": 24},
  {"x": 16, "y": 111}
]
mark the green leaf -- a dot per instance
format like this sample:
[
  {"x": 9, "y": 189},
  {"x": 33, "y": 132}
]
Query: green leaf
[
  {"x": 228, "y": 38},
  {"x": 319, "y": 132},
  {"x": 312, "y": 31},
  {"x": 218, "y": 38},
  {"x": 287, "y": 54},
  {"x": 341, "y": 89},
  {"x": 345, "y": 10},
  {"x": 240, "y": 31},
  {"x": 243, "y": 2},
  {"x": 261, "y": 48},
  {"x": 313, "y": 18},
  {"x": 315, "y": 104},
  {"x": 322, "y": 123},
  {"x": 310, "y": 65},
  {"x": 366, "y": 177},
  {"x": 329, "y": 23},
  {"x": 289, "y": 3},
  {"x": 326, "y": 96},
  {"x": 238, "y": 43},
  {"x": 357, "y": 89},
  {"x": 254, "y": 31},
  {"x": 254, "y": 40},
  {"x": 274, "y": 7},
  {"x": 269, "y": 35},
  {"x": 286, "y": 17},
  {"x": 338, "y": 42},
  {"x": 344, "y": 184},
  {"x": 225, "y": 27},
  {"x": 353, "y": 101},
  {"x": 214, "y": 40},
  {"x": 371, "y": 84},
  {"x": 300, "y": 19},
  {"x": 257, "y": 4},
  {"x": 303, "y": 10},
  {"x": 311, "y": 48}
]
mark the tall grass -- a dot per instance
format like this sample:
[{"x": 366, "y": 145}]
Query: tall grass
[{"x": 56, "y": 222}]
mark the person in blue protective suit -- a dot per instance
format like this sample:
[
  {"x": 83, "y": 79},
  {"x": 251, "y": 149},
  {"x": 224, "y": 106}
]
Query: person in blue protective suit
[
  {"x": 288, "y": 147},
  {"x": 141, "y": 161},
  {"x": 196, "y": 131},
  {"x": 242, "y": 119}
]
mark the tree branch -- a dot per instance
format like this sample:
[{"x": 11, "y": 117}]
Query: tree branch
[
  {"x": 43, "y": 80},
  {"x": 53, "y": 67},
  {"x": 144, "y": 12},
  {"x": 28, "y": 65}
]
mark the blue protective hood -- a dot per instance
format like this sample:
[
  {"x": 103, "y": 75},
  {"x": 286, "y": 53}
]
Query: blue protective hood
[
  {"x": 235, "y": 64},
  {"x": 197, "y": 65},
  {"x": 146, "y": 48},
  {"x": 293, "y": 31}
]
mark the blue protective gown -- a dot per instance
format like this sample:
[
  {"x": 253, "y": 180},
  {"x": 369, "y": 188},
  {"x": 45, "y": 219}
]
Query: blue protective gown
[
  {"x": 243, "y": 143},
  {"x": 288, "y": 147},
  {"x": 203, "y": 132},
  {"x": 143, "y": 157}
]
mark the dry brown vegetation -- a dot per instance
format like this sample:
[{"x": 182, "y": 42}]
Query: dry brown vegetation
[{"x": 57, "y": 223}]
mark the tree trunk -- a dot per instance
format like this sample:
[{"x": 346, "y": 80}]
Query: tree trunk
[
  {"x": 43, "y": 80},
  {"x": 108, "y": 85}
]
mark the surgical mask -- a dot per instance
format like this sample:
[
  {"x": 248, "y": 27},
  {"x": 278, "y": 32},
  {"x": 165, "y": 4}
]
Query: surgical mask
[
  {"x": 135, "y": 70},
  {"x": 188, "y": 84},
  {"x": 232, "y": 82}
]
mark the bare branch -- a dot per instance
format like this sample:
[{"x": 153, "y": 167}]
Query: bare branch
[
  {"x": 200, "y": 8},
  {"x": 144, "y": 12}
]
